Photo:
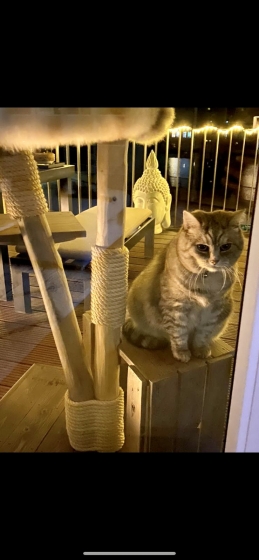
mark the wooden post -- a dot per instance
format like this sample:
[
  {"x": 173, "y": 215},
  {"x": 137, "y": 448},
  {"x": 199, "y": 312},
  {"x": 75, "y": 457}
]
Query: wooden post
[
  {"x": 111, "y": 206},
  {"x": 5, "y": 275},
  {"x": 53, "y": 285}
]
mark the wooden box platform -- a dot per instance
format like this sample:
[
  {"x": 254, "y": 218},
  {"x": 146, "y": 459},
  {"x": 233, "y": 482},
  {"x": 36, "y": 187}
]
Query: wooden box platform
[{"x": 175, "y": 407}]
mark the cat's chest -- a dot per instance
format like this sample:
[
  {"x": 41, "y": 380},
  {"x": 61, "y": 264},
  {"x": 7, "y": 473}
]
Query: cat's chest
[
  {"x": 209, "y": 287},
  {"x": 214, "y": 282},
  {"x": 201, "y": 317}
]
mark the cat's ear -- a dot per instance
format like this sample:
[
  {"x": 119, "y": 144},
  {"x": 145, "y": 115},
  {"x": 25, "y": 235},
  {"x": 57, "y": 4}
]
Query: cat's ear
[
  {"x": 239, "y": 217},
  {"x": 189, "y": 220}
]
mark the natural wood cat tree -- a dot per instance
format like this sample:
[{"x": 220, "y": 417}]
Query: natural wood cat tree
[{"x": 94, "y": 401}]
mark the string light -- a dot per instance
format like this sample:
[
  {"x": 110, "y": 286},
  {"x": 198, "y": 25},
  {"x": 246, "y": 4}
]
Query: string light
[
  {"x": 252, "y": 130},
  {"x": 208, "y": 128},
  {"x": 183, "y": 128}
]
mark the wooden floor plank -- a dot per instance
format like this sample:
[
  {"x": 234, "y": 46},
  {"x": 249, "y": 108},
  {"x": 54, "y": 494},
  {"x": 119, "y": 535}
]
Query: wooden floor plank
[
  {"x": 10, "y": 372},
  {"x": 24, "y": 351},
  {"x": 3, "y": 391},
  {"x": 56, "y": 440},
  {"x": 33, "y": 333},
  {"x": 30, "y": 408},
  {"x": 30, "y": 431}
]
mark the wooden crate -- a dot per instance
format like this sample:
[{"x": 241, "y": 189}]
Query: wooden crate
[{"x": 175, "y": 407}]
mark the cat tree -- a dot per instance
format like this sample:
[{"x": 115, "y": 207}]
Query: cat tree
[{"x": 94, "y": 401}]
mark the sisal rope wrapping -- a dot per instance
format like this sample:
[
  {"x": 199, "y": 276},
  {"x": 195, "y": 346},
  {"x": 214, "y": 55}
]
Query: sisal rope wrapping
[
  {"x": 20, "y": 185},
  {"x": 95, "y": 425},
  {"x": 109, "y": 286}
]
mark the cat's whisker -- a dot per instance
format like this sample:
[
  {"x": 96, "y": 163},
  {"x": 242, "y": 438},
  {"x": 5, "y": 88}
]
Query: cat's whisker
[
  {"x": 194, "y": 282},
  {"x": 238, "y": 272},
  {"x": 228, "y": 272},
  {"x": 239, "y": 275},
  {"x": 196, "y": 279},
  {"x": 224, "y": 278},
  {"x": 190, "y": 284},
  {"x": 236, "y": 276}
]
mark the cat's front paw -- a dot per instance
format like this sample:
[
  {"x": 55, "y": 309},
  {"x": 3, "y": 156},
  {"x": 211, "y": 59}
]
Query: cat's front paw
[
  {"x": 202, "y": 352},
  {"x": 182, "y": 355}
]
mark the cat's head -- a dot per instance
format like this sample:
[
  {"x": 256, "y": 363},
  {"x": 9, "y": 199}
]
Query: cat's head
[{"x": 211, "y": 240}]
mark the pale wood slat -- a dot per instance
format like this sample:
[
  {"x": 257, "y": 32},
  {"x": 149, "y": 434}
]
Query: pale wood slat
[
  {"x": 56, "y": 439},
  {"x": 25, "y": 352},
  {"x": 215, "y": 407},
  {"x": 25, "y": 420}
]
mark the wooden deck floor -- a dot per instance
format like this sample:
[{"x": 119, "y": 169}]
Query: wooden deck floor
[{"x": 26, "y": 339}]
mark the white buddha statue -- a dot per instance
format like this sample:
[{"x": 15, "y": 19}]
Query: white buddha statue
[{"x": 152, "y": 191}]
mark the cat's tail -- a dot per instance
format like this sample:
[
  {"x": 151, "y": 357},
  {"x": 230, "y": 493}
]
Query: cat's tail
[{"x": 136, "y": 337}]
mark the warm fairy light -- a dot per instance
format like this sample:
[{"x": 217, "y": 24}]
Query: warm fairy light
[
  {"x": 252, "y": 130},
  {"x": 183, "y": 128},
  {"x": 208, "y": 128},
  {"x": 236, "y": 127}
]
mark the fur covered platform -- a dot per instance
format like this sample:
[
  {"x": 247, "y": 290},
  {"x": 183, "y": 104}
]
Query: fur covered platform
[{"x": 36, "y": 127}]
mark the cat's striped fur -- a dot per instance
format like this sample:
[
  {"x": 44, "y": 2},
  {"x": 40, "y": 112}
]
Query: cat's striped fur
[{"x": 183, "y": 297}]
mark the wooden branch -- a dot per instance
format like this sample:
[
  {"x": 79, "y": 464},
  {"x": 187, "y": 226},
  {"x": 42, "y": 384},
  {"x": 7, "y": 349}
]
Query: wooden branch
[{"x": 53, "y": 285}]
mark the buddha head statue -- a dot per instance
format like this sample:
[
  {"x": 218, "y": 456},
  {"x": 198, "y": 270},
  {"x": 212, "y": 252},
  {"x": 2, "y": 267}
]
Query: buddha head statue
[{"x": 152, "y": 191}]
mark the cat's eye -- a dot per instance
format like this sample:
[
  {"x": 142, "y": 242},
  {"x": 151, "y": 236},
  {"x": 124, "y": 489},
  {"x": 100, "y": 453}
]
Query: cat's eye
[
  {"x": 203, "y": 248},
  {"x": 225, "y": 247}
]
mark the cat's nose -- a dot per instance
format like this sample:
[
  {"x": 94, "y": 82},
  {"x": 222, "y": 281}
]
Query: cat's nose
[{"x": 214, "y": 261}]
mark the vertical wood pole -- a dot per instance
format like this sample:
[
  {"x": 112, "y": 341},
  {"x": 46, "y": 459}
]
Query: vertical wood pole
[{"x": 111, "y": 209}]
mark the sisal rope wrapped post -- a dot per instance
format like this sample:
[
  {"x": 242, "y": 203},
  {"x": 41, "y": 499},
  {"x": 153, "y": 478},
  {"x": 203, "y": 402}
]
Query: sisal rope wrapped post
[
  {"x": 109, "y": 287},
  {"x": 25, "y": 202},
  {"x": 109, "y": 250}
]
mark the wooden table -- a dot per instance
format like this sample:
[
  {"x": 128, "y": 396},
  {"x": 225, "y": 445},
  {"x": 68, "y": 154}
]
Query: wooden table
[
  {"x": 57, "y": 173},
  {"x": 64, "y": 227}
]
